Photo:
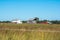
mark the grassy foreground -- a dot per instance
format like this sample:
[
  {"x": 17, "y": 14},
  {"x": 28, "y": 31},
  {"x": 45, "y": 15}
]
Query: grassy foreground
[{"x": 29, "y": 35}]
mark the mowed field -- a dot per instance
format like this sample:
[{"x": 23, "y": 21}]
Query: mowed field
[{"x": 10, "y": 31}]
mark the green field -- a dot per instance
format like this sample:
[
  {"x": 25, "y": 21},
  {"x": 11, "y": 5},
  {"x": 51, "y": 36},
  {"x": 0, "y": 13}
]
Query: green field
[{"x": 29, "y": 35}]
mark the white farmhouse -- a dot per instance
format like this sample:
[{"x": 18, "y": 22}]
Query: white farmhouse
[{"x": 17, "y": 21}]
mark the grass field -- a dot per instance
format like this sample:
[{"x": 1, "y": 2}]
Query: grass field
[{"x": 29, "y": 35}]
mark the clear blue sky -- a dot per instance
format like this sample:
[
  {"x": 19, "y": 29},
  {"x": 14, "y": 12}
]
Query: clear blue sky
[{"x": 25, "y": 9}]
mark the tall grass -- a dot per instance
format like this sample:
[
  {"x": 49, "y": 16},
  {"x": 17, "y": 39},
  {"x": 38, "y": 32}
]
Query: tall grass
[
  {"x": 31, "y": 26},
  {"x": 29, "y": 35}
]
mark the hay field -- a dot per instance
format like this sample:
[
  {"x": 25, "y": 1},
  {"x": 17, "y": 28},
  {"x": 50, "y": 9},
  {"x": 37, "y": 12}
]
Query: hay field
[{"x": 7, "y": 34}]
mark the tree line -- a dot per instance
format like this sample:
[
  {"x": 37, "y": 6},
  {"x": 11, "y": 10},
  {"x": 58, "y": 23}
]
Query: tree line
[
  {"x": 37, "y": 20},
  {"x": 53, "y": 21}
]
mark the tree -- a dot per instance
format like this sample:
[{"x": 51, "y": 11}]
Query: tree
[
  {"x": 45, "y": 20},
  {"x": 24, "y": 21},
  {"x": 5, "y": 21},
  {"x": 55, "y": 22}
]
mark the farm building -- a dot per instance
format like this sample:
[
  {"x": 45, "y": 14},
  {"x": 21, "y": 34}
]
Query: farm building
[
  {"x": 45, "y": 23},
  {"x": 31, "y": 21},
  {"x": 16, "y": 21}
]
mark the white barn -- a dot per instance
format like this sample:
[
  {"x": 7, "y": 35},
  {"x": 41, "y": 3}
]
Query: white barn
[
  {"x": 17, "y": 21},
  {"x": 31, "y": 21}
]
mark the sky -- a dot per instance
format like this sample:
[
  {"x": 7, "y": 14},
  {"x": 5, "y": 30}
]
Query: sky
[{"x": 25, "y": 9}]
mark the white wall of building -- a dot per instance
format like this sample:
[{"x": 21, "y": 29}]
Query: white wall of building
[{"x": 17, "y": 21}]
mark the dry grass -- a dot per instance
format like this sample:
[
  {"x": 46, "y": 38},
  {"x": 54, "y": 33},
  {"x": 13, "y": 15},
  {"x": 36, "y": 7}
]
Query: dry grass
[{"x": 29, "y": 35}]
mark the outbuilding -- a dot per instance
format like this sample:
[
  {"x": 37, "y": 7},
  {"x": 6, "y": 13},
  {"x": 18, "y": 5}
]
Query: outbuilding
[
  {"x": 16, "y": 21},
  {"x": 31, "y": 21}
]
